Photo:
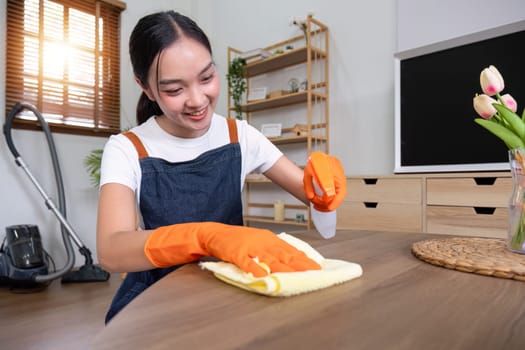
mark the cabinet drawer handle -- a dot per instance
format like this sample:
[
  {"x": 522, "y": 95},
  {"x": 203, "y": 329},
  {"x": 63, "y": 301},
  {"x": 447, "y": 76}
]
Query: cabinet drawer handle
[
  {"x": 370, "y": 181},
  {"x": 370, "y": 204},
  {"x": 484, "y": 210},
  {"x": 485, "y": 181}
]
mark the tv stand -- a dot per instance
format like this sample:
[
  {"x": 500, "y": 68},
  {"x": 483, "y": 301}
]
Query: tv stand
[{"x": 470, "y": 204}]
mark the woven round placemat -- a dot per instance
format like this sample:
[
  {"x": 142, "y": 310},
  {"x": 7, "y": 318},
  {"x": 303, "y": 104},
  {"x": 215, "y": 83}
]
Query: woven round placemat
[{"x": 484, "y": 256}]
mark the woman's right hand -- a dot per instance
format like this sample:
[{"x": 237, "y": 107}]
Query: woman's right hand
[{"x": 240, "y": 245}]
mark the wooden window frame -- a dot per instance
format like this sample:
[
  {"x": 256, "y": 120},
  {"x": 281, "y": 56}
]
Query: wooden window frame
[{"x": 87, "y": 105}]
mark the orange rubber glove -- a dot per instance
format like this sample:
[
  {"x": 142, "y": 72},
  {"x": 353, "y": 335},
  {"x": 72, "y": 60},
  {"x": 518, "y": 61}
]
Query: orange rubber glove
[
  {"x": 182, "y": 243},
  {"x": 330, "y": 176}
]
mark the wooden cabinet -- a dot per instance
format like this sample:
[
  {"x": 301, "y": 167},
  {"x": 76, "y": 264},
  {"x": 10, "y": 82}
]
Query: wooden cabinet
[
  {"x": 468, "y": 204},
  {"x": 471, "y": 204},
  {"x": 382, "y": 203},
  {"x": 294, "y": 78}
]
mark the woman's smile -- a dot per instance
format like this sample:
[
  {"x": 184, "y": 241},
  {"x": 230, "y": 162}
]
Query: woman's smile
[{"x": 197, "y": 115}]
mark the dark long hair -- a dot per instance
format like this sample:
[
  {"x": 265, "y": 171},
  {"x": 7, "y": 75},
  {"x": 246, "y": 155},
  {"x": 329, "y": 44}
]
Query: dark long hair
[{"x": 152, "y": 34}]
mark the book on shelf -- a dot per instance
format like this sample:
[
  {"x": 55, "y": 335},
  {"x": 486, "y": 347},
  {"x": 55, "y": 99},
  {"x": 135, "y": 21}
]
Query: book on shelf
[{"x": 254, "y": 55}]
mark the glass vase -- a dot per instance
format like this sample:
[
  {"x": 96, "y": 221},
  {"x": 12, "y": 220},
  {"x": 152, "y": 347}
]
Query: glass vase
[{"x": 516, "y": 235}]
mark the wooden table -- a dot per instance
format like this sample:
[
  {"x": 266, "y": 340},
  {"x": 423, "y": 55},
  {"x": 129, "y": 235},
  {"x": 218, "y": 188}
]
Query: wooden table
[{"x": 400, "y": 302}]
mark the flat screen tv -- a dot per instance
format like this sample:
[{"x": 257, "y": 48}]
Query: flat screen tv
[{"x": 434, "y": 120}]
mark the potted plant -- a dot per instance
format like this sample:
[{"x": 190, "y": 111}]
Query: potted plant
[
  {"x": 92, "y": 164},
  {"x": 237, "y": 83}
]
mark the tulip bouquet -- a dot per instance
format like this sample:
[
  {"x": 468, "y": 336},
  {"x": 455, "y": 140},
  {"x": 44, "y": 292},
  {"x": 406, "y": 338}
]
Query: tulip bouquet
[{"x": 498, "y": 115}]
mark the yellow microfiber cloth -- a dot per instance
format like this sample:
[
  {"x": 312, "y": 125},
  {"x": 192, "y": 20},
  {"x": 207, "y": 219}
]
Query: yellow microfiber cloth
[{"x": 285, "y": 284}]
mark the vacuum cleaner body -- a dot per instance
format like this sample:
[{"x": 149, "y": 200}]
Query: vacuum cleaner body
[{"x": 22, "y": 257}]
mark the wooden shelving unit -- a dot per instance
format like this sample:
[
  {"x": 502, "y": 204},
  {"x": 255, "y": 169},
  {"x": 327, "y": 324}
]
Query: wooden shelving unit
[
  {"x": 284, "y": 60},
  {"x": 281, "y": 101},
  {"x": 310, "y": 52}
]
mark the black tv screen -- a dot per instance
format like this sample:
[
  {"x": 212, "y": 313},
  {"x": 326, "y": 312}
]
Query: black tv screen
[{"x": 435, "y": 85}]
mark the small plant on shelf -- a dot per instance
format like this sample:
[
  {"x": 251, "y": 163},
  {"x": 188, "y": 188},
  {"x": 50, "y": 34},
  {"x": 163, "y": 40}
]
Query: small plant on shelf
[{"x": 237, "y": 83}]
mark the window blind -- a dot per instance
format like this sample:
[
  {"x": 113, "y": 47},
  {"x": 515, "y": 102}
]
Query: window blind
[{"x": 63, "y": 56}]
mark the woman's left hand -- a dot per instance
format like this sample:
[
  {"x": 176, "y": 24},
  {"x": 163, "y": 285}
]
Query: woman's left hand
[{"x": 328, "y": 173}]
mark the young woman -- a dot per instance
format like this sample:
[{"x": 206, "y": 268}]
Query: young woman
[{"x": 171, "y": 187}]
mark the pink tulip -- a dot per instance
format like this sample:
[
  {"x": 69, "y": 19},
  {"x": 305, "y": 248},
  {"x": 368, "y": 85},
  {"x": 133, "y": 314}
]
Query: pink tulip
[
  {"x": 483, "y": 106},
  {"x": 510, "y": 102},
  {"x": 491, "y": 81}
]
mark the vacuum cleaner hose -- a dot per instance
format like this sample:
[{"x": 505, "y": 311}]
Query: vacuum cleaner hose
[{"x": 19, "y": 107}]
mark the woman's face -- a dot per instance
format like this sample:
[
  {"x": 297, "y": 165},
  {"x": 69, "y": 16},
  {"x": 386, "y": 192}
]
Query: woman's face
[{"x": 187, "y": 88}]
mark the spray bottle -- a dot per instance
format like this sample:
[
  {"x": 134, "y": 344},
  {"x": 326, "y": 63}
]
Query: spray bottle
[{"x": 323, "y": 182}]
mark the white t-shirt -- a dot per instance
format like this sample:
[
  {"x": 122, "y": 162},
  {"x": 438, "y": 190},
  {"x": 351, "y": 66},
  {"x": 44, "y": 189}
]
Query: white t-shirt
[{"x": 120, "y": 163}]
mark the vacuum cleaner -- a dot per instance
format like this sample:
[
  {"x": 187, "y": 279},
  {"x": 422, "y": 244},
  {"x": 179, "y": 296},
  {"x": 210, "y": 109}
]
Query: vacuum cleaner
[{"x": 22, "y": 257}]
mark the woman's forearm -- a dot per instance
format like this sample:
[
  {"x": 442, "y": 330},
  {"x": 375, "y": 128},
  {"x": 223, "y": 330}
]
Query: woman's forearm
[
  {"x": 288, "y": 176},
  {"x": 120, "y": 244},
  {"x": 123, "y": 251}
]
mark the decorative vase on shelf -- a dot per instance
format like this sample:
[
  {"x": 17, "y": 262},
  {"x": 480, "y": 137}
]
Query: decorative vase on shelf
[{"x": 516, "y": 235}]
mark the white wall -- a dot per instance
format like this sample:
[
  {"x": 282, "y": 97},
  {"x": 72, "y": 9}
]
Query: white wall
[
  {"x": 364, "y": 35},
  {"x": 425, "y": 22}
]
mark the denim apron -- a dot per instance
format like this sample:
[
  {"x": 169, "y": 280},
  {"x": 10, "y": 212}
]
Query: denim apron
[{"x": 207, "y": 188}]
